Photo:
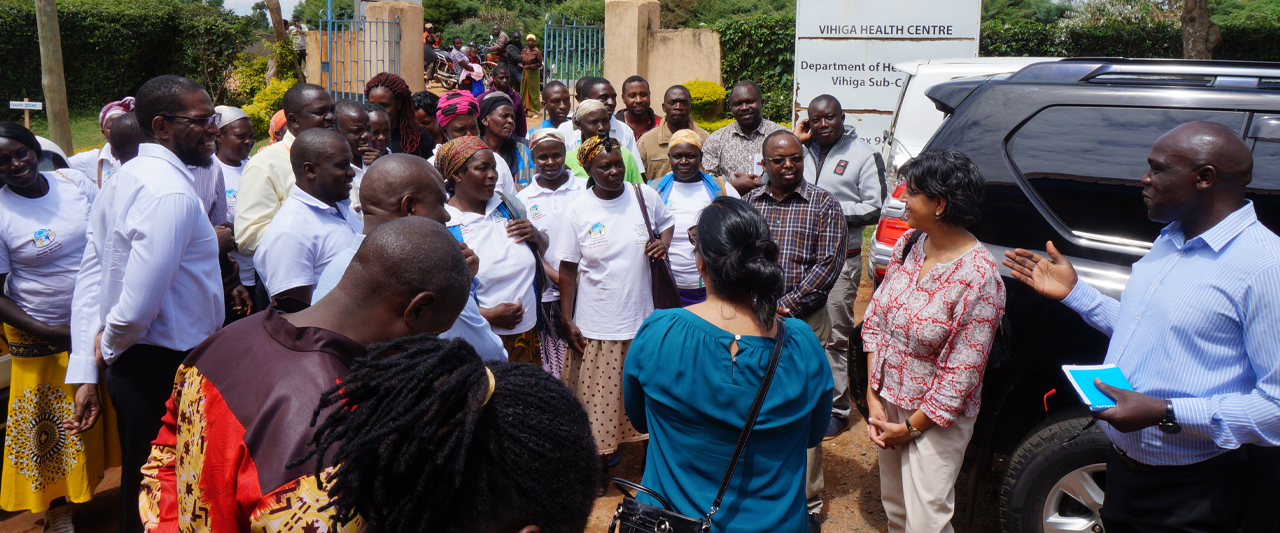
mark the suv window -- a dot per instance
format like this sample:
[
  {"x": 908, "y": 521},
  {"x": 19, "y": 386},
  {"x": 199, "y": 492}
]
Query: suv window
[{"x": 1086, "y": 163}]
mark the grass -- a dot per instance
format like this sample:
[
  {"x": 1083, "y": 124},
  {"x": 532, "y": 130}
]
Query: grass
[{"x": 85, "y": 132}]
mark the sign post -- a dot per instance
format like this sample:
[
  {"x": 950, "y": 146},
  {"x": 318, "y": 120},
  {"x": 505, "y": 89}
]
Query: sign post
[
  {"x": 847, "y": 48},
  {"x": 27, "y": 107}
]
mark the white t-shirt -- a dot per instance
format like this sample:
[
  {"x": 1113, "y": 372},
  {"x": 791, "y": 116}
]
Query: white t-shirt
[
  {"x": 355, "y": 190},
  {"x": 507, "y": 269},
  {"x": 607, "y": 239},
  {"x": 685, "y": 203},
  {"x": 42, "y": 241},
  {"x": 303, "y": 237},
  {"x": 546, "y": 210},
  {"x": 231, "y": 181}
]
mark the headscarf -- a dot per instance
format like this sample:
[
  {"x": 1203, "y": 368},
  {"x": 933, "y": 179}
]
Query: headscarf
[
  {"x": 491, "y": 102},
  {"x": 113, "y": 109},
  {"x": 228, "y": 114},
  {"x": 277, "y": 121},
  {"x": 452, "y": 155},
  {"x": 584, "y": 107},
  {"x": 595, "y": 146},
  {"x": 454, "y": 104},
  {"x": 685, "y": 136},
  {"x": 545, "y": 135},
  {"x": 531, "y": 36}
]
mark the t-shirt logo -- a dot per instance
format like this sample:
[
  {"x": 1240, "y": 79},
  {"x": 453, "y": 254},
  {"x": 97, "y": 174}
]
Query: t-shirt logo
[
  {"x": 597, "y": 230},
  {"x": 841, "y": 166},
  {"x": 42, "y": 238},
  {"x": 534, "y": 213},
  {"x": 641, "y": 231}
]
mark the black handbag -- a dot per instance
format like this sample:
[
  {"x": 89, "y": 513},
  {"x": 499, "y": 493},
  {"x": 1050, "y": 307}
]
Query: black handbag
[
  {"x": 666, "y": 295},
  {"x": 635, "y": 517}
]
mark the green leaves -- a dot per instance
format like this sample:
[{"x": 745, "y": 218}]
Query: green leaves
[
  {"x": 1111, "y": 37},
  {"x": 761, "y": 49}
]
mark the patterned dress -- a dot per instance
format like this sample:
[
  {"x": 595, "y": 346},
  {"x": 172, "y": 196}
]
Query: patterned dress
[{"x": 240, "y": 413}]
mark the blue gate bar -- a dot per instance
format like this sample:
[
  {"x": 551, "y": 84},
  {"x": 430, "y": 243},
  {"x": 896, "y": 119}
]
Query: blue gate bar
[{"x": 572, "y": 50}]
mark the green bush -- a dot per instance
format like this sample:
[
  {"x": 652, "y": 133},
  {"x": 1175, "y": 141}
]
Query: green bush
[
  {"x": 110, "y": 48},
  {"x": 761, "y": 49},
  {"x": 247, "y": 78},
  {"x": 266, "y": 103},
  {"x": 1147, "y": 37},
  {"x": 587, "y": 11},
  {"x": 705, "y": 96}
]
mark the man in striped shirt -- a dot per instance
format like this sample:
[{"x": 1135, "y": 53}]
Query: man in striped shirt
[{"x": 1197, "y": 333}]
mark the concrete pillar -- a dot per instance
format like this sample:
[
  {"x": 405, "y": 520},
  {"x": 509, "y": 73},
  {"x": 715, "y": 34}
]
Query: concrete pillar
[
  {"x": 317, "y": 52},
  {"x": 410, "y": 37},
  {"x": 628, "y": 25}
]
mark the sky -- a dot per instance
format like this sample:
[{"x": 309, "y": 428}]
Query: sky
[{"x": 245, "y": 7}]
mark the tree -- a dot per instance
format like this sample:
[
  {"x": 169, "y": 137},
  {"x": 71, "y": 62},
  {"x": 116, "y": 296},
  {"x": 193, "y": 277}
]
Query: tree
[
  {"x": 1043, "y": 11},
  {"x": 261, "y": 21},
  {"x": 1199, "y": 34}
]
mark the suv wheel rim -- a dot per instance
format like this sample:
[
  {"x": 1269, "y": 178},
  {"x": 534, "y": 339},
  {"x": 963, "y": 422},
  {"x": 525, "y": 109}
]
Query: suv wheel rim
[{"x": 1075, "y": 500}]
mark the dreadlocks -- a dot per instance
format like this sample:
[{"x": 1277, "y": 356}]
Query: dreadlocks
[
  {"x": 410, "y": 136},
  {"x": 421, "y": 450}
]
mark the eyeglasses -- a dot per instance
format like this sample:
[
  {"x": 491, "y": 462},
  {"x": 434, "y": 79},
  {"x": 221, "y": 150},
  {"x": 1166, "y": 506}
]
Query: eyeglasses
[
  {"x": 795, "y": 160},
  {"x": 204, "y": 122},
  {"x": 693, "y": 235}
]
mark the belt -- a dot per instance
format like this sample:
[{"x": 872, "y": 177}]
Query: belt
[{"x": 1231, "y": 456}]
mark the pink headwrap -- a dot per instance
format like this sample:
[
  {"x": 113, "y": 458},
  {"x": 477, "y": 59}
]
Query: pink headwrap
[
  {"x": 454, "y": 104},
  {"x": 114, "y": 109}
]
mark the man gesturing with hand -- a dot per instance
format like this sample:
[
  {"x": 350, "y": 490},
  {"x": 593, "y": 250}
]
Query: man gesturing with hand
[{"x": 1197, "y": 333}]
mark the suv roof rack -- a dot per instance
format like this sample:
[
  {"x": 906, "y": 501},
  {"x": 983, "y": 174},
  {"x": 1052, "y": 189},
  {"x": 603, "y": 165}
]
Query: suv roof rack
[{"x": 1182, "y": 72}]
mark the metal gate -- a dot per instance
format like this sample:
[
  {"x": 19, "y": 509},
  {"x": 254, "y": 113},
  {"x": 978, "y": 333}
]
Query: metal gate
[
  {"x": 572, "y": 50},
  {"x": 354, "y": 51}
]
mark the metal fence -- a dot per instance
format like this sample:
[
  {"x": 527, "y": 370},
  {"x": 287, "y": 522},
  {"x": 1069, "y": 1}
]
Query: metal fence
[
  {"x": 354, "y": 51},
  {"x": 572, "y": 50}
]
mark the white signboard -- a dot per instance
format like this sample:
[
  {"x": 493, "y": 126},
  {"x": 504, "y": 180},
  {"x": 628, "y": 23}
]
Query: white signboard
[
  {"x": 847, "y": 48},
  {"x": 29, "y": 106}
]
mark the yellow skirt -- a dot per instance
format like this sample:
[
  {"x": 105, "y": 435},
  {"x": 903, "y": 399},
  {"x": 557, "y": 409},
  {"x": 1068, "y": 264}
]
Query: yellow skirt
[{"x": 41, "y": 461}]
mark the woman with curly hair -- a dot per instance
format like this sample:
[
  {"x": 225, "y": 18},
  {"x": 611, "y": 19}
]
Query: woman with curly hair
[{"x": 393, "y": 94}]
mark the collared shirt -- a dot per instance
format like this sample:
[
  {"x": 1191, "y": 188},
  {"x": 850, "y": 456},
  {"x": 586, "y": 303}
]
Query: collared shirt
[
  {"x": 264, "y": 184},
  {"x": 212, "y": 190},
  {"x": 507, "y": 269},
  {"x": 88, "y": 161},
  {"x": 654, "y": 145},
  {"x": 147, "y": 218},
  {"x": 546, "y": 210},
  {"x": 811, "y": 235},
  {"x": 470, "y": 326},
  {"x": 653, "y": 122},
  {"x": 729, "y": 150},
  {"x": 303, "y": 237},
  {"x": 247, "y": 396},
  {"x": 617, "y": 129},
  {"x": 1198, "y": 322}
]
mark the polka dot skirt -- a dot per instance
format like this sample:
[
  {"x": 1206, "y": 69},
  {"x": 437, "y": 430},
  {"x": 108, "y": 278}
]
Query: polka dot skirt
[{"x": 595, "y": 376}]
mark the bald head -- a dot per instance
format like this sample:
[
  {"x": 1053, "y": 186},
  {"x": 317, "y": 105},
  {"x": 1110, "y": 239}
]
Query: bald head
[
  {"x": 313, "y": 145},
  {"x": 400, "y": 185},
  {"x": 402, "y": 259},
  {"x": 1211, "y": 144}
]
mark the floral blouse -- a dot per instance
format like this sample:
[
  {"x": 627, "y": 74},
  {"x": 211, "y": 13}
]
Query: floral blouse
[{"x": 931, "y": 339}]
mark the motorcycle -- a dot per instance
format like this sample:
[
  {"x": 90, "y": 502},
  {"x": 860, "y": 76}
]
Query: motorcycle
[{"x": 440, "y": 70}]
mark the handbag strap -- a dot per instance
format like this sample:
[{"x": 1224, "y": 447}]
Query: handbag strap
[
  {"x": 779, "y": 339},
  {"x": 653, "y": 236}
]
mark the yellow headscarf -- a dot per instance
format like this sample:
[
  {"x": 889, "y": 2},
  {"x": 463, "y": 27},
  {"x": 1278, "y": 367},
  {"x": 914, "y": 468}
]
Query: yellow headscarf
[
  {"x": 595, "y": 146},
  {"x": 531, "y": 36},
  {"x": 685, "y": 136}
]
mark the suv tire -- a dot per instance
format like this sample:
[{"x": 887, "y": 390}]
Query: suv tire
[{"x": 1052, "y": 486}]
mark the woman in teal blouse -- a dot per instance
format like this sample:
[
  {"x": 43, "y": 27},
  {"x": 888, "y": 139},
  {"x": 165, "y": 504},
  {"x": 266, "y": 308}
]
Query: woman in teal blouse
[{"x": 692, "y": 374}]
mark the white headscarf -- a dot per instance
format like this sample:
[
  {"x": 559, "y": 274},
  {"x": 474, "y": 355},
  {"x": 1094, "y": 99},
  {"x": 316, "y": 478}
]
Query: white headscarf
[{"x": 228, "y": 114}]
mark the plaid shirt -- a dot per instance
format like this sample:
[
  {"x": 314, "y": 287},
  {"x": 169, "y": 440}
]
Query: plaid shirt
[
  {"x": 729, "y": 150},
  {"x": 811, "y": 233}
]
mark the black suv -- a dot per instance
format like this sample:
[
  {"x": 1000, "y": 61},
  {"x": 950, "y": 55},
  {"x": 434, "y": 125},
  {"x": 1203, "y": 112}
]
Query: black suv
[{"x": 1062, "y": 146}]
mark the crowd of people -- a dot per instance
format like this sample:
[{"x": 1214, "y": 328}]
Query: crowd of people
[{"x": 424, "y": 313}]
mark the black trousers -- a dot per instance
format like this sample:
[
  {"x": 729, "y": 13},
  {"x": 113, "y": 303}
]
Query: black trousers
[
  {"x": 1238, "y": 492},
  {"x": 140, "y": 381}
]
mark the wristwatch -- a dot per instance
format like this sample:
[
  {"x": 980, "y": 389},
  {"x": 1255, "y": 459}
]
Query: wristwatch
[
  {"x": 912, "y": 430},
  {"x": 1169, "y": 424}
]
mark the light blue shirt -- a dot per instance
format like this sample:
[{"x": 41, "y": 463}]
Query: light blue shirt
[
  {"x": 470, "y": 327},
  {"x": 1199, "y": 323}
]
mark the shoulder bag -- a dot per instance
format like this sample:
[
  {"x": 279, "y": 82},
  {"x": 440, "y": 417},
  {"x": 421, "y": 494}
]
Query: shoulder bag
[
  {"x": 514, "y": 209},
  {"x": 665, "y": 293},
  {"x": 635, "y": 517}
]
